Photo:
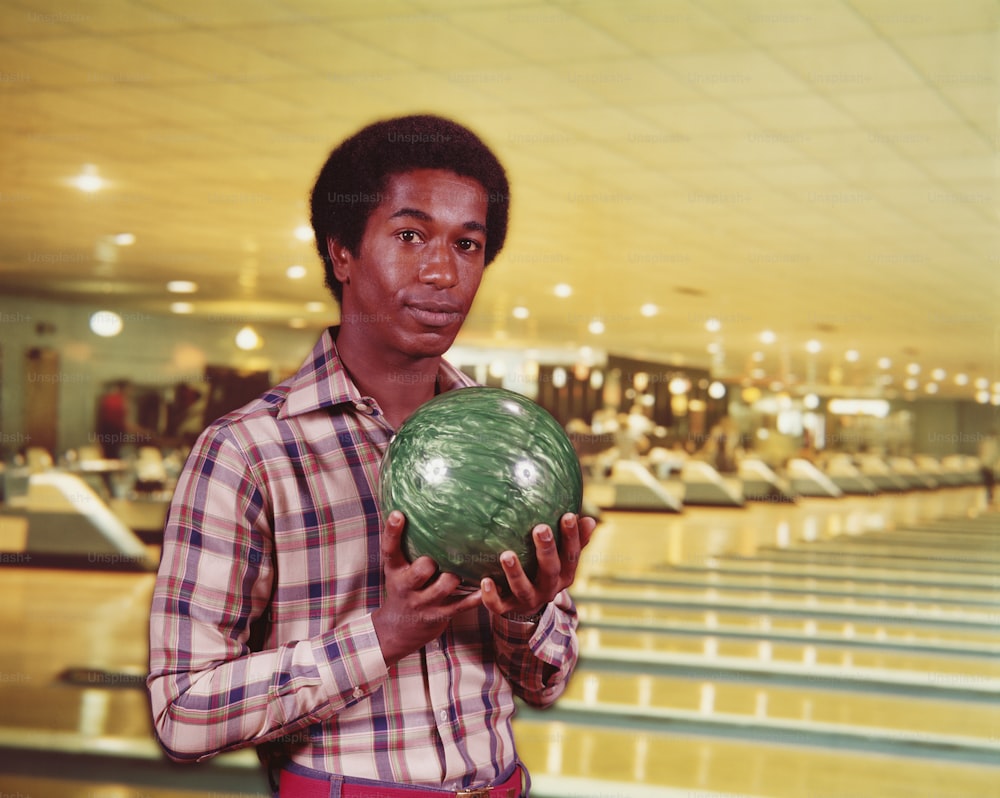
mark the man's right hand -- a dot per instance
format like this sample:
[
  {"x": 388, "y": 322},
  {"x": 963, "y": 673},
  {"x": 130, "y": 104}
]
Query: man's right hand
[{"x": 415, "y": 610}]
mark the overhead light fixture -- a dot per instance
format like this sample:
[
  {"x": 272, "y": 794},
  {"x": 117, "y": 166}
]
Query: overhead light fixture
[
  {"x": 520, "y": 312},
  {"x": 248, "y": 339},
  {"x": 295, "y": 272},
  {"x": 304, "y": 232},
  {"x": 852, "y": 356},
  {"x": 315, "y": 307},
  {"x": 649, "y": 310},
  {"x": 938, "y": 374},
  {"x": 678, "y": 386},
  {"x": 884, "y": 363},
  {"x": 88, "y": 180},
  {"x": 713, "y": 325},
  {"x": 596, "y": 327},
  {"x": 125, "y": 239},
  {"x": 182, "y": 287},
  {"x": 181, "y": 307},
  {"x": 716, "y": 390},
  {"x": 813, "y": 346},
  {"x": 767, "y": 337},
  {"x": 879, "y": 408},
  {"x": 563, "y": 290},
  {"x": 106, "y": 323}
]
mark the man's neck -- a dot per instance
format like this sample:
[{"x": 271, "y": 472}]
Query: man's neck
[{"x": 399, "y": 386}]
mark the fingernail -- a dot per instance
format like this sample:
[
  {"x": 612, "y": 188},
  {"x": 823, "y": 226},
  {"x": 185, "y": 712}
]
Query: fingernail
[
  {"x": 507, "y": 558},
  {"x": 485, "y": 586},
  {"x": 545, "y": 535}
]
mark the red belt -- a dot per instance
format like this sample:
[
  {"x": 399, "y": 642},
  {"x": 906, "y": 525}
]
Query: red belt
[{"x": 296, "y": 785}]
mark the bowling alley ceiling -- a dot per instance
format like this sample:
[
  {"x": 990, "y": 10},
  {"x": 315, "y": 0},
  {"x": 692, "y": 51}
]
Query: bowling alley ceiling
[{"x": 697, "y": 173}]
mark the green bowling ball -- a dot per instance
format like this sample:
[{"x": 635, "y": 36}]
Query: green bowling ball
[{"x": 474, "y": 471}]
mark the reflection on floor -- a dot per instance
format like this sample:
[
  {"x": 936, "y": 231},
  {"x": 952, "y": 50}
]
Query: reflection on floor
[{"x": 842, "y": 647}]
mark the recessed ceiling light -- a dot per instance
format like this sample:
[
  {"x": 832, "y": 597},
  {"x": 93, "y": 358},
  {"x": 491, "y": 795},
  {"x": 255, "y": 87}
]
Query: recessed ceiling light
[
  {"x": 938, "y": 374},
  {"x": 596, "y": 327},
  {"x": 181, "y": 307},
  {"x": 106, "y": 323},
  {"x": 247, "y": 339},
  {"x": 713, "y": 325},
  {"x": 295, "y": 272},
  {"x": 315, "y": 307},
  {"x": 852, "y": 356},
  {"x": 182, "y": 287},
  {"x": 88, "y": 180},
  {"x": 813, "y": 346},
  {"x": 125, "y": 239},
  {"x": 767, "y": 337},
  {"x": 520, "y": 312},
  {"x": 884, "y": 363},
  {"x": 649, "y": 310},
  {"x": 304, "y": 232},
  {"x": 563, "y": 290}
]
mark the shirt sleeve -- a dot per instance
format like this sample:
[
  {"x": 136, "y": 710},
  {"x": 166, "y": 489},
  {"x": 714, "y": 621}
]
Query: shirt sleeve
[
  {"x": 210, "y": 691},
  {"x": 538, "y": 659}
]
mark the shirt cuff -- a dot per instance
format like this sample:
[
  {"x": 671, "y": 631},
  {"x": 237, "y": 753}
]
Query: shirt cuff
[{"x": 350, "y": 661}]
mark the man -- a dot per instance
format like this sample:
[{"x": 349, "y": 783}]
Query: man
[{"x": 285, "y": 614}]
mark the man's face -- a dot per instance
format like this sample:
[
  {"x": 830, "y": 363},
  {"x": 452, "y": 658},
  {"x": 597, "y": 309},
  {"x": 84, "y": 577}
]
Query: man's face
[{"x": 419, "y": 264}]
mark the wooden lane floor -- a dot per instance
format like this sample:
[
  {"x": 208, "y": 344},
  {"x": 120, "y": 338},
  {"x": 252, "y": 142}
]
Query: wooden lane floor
[
  {"x": 630, "y": 542},
  {"x": 746, "y": 704},
  {"x": 636, "y": 763},
  {"x": 923, "y": 593},
  {"x": 96, "y": 725},
  {"x": 741, "y": 623}
]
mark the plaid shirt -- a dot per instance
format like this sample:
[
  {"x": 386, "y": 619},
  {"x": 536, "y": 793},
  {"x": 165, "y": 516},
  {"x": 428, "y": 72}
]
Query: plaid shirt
[{"x": 261, "y": 630}]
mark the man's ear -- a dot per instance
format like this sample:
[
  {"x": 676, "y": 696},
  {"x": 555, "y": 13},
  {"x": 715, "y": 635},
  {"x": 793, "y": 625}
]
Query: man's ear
[{"x": 341, "y": 258}]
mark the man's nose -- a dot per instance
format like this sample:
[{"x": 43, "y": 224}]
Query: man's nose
[{"x": 439, "y": 268}]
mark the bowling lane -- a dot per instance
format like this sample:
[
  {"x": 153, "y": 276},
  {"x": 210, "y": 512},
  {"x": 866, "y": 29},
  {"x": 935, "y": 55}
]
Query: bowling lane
[
  {"x": 762, "y": 584},
  {"x": 860, "y": 632},
  {"x": 631, "y": 542},
  {"x": 765, "y": 651},
  {"x": 694, "y": 765},
  {"x": 885, "y": 577},
  {"x": 744, "y": 700}
]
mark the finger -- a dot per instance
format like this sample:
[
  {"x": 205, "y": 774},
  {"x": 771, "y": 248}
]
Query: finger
[
  {"x": 521, "y": 588},
  {"x": 491, "y": 597},
  {"x": 587, "y": 526},
  {"x": 570, "y": 544},
  {"x": 391, "y": 542}
]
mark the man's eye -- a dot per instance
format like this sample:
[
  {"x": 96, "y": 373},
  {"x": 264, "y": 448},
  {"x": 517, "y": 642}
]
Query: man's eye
[
  {"x": 409, "y": 236},
  {"x": 469, "y": 245}
]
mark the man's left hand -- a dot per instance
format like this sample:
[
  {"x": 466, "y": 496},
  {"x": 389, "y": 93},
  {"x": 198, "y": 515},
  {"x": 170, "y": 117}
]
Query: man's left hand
[{"x": 556, "y": 569}]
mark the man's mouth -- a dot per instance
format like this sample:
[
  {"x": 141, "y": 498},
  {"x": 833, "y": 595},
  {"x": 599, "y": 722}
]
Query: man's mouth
[{"x": 435, "y": 314}]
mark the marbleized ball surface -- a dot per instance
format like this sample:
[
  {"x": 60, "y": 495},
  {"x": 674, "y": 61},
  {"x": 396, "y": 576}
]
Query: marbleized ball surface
[{"x": 474, "y": 471}]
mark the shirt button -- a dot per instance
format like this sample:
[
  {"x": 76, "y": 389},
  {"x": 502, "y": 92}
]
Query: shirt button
[
  {"x": 362, "y": 407},
  {"x": 443, "y": 714},
  {"x": 358, "y": 692}
]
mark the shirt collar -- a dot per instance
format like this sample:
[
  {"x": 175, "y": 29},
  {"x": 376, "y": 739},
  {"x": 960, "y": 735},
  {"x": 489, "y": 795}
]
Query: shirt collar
[{"x": 322, "y": 381}]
